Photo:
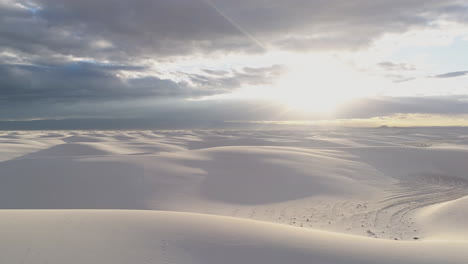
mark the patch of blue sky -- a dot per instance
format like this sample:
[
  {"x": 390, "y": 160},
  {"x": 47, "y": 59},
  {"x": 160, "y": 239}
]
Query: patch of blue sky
[
  {"x": 34, "y": 10},
  {"x": 450, "y": 58}
]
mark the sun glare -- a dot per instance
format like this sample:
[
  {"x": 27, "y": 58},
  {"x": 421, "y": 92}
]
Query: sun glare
[
  {"x": 305, "y": 92},
  {"x": 315, "y": 83},
  {"x": 312, "y": 87}
]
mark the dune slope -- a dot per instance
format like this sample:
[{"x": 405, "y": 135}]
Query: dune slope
[{"x": 163, "y": 237}]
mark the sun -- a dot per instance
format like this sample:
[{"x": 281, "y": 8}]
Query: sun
[
  {"x": 306, "y": 93},
  {"x": 311, "y": 88},
  {"x": 312, "y": 84}
]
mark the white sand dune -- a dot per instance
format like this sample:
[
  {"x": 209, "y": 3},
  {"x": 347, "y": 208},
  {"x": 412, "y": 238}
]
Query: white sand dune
[
  {"x": 70, "y": 149},
  {"x": 59, "y": 177},
  {"x": 382, "y": 195},
  {"x": 446, "y": 221},
  {"x": 162, "y": 237}
]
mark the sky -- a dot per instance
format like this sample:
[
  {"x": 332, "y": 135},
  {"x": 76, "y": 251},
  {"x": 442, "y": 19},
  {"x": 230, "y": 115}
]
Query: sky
[{"x": 204, "y": 63}]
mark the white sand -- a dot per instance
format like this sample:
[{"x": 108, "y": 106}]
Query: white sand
[
  {"x": 342, "y": 196},
  {"x": 163, "y": 237}
]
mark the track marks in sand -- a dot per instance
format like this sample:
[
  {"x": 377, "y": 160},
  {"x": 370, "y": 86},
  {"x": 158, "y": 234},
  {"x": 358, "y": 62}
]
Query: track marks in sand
[
  {"x": 390, "y": 217},
  {"x": 407, "y": 196}
]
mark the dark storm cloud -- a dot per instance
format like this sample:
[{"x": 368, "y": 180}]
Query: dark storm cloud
[
  {"x": 451, "y": 74},
  {"x": 118, "y": 29},
  {"x": 87, "y": 81},
  {"x": 75, "y": 82}
]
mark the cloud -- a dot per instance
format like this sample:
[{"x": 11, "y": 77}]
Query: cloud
[
  {"x": 117, "y": 30},
  {"x": 384, "y": 106},
  {"x": 246, "y": 76},
  {"x": 95, "y": 82},
  {"x": 397, "y": 72},
  {"x": 451, "y": 74},
  {"x": 93, "y": 54},
  {"x": 392, "y": 66},
  {"x": 76, "y": 82}
]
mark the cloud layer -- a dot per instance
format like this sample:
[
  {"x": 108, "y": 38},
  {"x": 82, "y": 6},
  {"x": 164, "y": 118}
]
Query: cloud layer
[
  {"x": 125, "y": 30},
  {"x": 106, "y": 51},
  {"x": 84, "y": 81}
]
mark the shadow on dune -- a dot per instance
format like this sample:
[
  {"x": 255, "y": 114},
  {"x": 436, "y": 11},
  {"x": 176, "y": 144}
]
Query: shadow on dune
[
  {"x": 63, "y": 183},
  {"x": 69, "y": 176},
  {"x": 249, "y": 177}
]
